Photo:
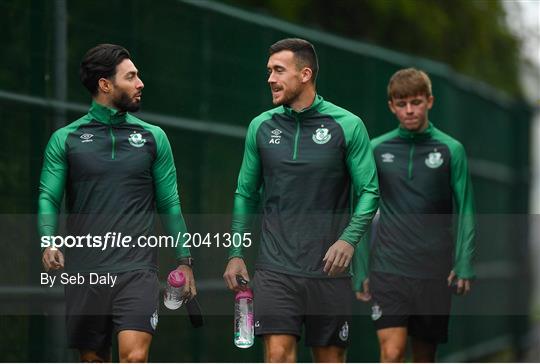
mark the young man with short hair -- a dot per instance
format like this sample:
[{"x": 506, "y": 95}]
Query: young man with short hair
[
  {"x": 416, "y": 257},
  {"x": 309, "y": 157},
  {"x": 116, "y": 170}
]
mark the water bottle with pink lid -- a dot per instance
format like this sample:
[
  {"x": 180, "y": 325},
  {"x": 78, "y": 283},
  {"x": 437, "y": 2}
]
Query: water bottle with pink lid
[
  {"x": 174, "y": 293},
  {"x": 243, "y": 319}
]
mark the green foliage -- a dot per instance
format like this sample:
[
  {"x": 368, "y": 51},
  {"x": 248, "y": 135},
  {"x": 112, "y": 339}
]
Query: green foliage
[{"x": 471, "y": 36}]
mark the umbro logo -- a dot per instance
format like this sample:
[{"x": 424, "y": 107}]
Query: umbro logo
[
  {"x": 87, "y": 138},
  {"x": 275, "y": 138},
  {"x": 387, "y": 158}
]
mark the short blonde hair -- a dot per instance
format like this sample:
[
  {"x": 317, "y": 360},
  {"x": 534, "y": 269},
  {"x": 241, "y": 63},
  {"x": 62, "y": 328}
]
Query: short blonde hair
[{"x": 409, "y": 82}]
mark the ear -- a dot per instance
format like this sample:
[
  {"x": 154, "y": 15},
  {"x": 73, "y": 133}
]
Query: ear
[
  {"x": 391, "y": 106},
  {"x": 430, "y": 101},
  {"x": 306, "y": 74},
  {"x": 104, "y": 85}
]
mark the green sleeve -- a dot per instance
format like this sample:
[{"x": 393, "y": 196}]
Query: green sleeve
[
  {"x": 51, "y": 184},
  {"x": 361, "y": 165},
  {"x": 246, "y": 197},
  {"x": 166, "y": 192},
  {"x": 464, "y": 202},
  {"x": 362, "y": 254},
  {"x": 360, "y": 263}
]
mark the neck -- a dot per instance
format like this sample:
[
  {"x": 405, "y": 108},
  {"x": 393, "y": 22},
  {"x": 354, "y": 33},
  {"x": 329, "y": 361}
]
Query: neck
[
  {"x": 418, "y": 131},
  {"x": 422, "y": 127},
  {"x": 104, "y": 101},
  {"x": 304, "y": 100}
]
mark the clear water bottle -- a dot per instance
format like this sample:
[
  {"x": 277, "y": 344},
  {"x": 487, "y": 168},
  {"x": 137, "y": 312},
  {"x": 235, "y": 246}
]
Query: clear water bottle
[
  {"x": 244, "y": 333},
  {"x": 174, "y": 293}
]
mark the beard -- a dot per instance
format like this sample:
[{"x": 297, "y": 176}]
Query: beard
[
  {"x": 124, "y": 103},
  {"x": 289, "y": 97}
]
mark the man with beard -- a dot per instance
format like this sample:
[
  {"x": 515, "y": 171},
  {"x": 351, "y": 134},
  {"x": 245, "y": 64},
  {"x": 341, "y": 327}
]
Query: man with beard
[
  {"x": 116, "y": 170},
  {"x": 314, "y": 164}
]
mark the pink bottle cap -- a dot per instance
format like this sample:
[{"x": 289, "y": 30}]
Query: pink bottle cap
[
  {"x": 176, "y": 278},
  {"x": 248, "y": 293}
]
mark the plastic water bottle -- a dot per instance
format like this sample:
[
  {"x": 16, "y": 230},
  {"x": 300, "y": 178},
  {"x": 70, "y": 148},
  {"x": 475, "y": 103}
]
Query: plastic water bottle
[
  {"x": 174, "y": 293},
  {"x": 243, "y": 319}
]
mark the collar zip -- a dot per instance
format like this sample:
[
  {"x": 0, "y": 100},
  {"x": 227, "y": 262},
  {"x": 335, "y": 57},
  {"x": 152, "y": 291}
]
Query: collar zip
[
  {"x": 106, "y": 115},
  {"x": 307, "y": 111},
  {"x": 415, "y": 136}
]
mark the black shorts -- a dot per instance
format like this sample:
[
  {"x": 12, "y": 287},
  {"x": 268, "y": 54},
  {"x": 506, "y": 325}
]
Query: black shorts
[
  {"x": 283, "y": 303},
  {"x": 420, "y": 305},
  {"x": 95, "y": 312}
]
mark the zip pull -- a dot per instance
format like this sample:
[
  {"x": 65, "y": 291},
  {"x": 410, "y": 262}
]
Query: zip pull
[
  {"x": 295, "y": 150},
  {"x": 411, "y": 160},
  {"x": 113, "y": 139}
]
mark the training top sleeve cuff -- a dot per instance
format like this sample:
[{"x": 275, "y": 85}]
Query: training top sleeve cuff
[{"x": 347, "y": 240}]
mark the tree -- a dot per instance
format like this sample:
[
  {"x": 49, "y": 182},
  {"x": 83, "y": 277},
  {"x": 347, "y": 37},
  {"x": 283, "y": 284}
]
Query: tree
[{"x": 471, "y": 36}]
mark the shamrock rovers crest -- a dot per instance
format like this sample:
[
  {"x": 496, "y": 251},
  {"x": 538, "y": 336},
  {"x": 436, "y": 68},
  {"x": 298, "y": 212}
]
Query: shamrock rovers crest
[
  {"x": 376, "y": 312},
  {"x": 434, "y": 159},
  {"x": 321, "y": 135},
  {"x": 154, "y": 319},
  {"x": 344, "y": 332},
  {"x": 136, "y": 140}
]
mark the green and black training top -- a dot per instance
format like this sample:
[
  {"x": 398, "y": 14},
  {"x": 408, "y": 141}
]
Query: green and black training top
[
  {"x": 117, "y": 170},
  {"x": 425, "y": 186},
  {"x": 315, "y": 173}
]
